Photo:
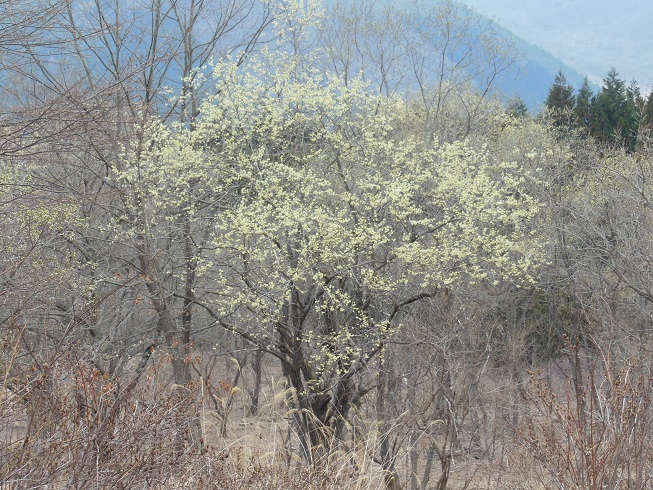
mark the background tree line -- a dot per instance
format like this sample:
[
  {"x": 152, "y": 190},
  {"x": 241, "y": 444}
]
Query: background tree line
[
  {"x": 615, "y": 115},
  {"x": 322, "y": 214}
]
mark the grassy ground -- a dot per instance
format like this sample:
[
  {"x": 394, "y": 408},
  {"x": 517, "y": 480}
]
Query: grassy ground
[{"x": 81, "y": 429}]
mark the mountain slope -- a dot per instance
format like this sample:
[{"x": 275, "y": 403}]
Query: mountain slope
[
  {"x": 532, "y": 76},
  {"x": 535, "y": 73},
  {"x": 590, "y": 35}
]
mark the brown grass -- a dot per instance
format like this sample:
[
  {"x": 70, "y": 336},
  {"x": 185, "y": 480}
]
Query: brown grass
[{"x": 68, "y": 425}]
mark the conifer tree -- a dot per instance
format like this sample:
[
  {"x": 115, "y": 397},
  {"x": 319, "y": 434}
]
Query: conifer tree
[
  {"x": 560, "y": 101},
  {"x": 645, "y": 130},
  {"x": 610, "y": 111},
  {"x": 516, "y": 107},
  {"x": 634, "y": 106},
  {"x": 583, "y": 108},
  {"x": 647, "y": 114}
]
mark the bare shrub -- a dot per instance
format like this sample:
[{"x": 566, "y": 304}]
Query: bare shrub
[
  {"x": 68, "y": 424},
  {"x": 592, "y": 430}
]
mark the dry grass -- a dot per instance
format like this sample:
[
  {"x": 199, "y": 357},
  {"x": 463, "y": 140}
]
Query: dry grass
[{"x": 71, "y": 426}]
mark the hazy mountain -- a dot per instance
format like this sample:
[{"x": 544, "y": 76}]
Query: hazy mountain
[
  {"x": 532, "y": 76},
  {"x": 590, "y": 35},
  {"x": 535, "y": 72}
]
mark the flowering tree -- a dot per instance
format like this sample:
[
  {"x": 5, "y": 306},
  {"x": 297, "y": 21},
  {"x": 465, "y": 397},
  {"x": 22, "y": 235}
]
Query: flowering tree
[{"x": 329, "y": 219}]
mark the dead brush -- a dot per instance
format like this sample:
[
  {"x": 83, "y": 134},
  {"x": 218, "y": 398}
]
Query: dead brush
[
  {"x": 593, "y": 432},
  {"x": 77, "y": 427}
]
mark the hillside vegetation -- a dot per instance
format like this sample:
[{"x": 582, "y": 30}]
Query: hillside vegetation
[{"x": 295, "y": 246}]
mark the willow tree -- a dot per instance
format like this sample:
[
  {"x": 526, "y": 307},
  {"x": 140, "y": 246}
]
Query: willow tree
[{"x": 334, "y": 218}]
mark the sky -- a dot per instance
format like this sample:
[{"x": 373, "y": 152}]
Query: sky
[{"x": 590, "y": 36}]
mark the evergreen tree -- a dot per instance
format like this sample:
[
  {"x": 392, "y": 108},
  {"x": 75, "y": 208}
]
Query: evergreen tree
[
  {"x": 647, "y": 114},
  {"x": 610, "y": 111},
  {"x": 583, "y": 108},
  {"x": 645, "y": 132},
  {"x": 634, "y": 106},
  {"x": 560, "y": 101},
  {"x": 516, "y": 107}
]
